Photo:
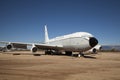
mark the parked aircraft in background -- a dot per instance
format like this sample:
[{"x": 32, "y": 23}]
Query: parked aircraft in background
[{"x": 75, "y": 42}]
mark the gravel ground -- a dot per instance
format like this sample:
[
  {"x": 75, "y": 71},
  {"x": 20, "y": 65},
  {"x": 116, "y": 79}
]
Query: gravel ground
[{"x": 104, "y": 66}]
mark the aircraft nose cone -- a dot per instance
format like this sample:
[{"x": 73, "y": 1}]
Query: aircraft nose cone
[{"x": 93, "y": 41}]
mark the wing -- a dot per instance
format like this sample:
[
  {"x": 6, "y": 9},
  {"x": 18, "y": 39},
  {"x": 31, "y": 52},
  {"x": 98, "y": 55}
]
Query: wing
[
  {"x": 34, "y": 46},
  {"x": 11, "y": 45}
]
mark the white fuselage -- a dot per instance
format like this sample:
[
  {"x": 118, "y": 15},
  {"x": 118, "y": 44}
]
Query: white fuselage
[{"x": 79, "y": 41}]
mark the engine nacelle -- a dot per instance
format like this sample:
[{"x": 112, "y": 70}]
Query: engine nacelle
[
  {"x": 9, "y": 46},
  {"x": 94, "y": 51},
  {"x": 34, "y": 49}
]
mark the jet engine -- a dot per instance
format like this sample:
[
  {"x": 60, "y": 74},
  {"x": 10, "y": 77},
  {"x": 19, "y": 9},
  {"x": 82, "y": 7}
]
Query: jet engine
[
  {"x": 9, "y": 46},
  {"x": 34, "y": 49},
  {"x": 96, "y": 49}
]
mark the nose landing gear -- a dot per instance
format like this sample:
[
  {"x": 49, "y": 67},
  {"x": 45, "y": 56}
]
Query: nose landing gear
[{"x": 80, "y": 54}]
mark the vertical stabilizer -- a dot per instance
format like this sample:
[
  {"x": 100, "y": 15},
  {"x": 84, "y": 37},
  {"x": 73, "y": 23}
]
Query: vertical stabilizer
[{"x": 46, "y": 35}]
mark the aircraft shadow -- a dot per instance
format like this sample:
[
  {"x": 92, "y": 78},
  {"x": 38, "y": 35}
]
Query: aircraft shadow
[
  {"x": 74, "y": 55},
  {"x": 89, "y": 57},
  {"x": 85, "y": 56}
]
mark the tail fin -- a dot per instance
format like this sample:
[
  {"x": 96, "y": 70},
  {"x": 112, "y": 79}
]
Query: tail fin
[{"x": 46, "y": 35}]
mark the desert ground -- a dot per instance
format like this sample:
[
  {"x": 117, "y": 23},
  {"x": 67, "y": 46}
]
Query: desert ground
[{"x": 103, "y": 66}]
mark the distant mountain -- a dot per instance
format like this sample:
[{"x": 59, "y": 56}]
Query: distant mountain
[{"x": 111, "y": 47}]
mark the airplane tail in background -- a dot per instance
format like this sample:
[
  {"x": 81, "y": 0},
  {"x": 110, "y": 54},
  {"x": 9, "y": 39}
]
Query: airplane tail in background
[{"x": 46, "y": 35}]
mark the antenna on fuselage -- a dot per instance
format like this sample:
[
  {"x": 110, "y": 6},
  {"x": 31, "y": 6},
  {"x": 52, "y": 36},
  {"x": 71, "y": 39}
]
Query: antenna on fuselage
[{"x": 46, "y": 35}]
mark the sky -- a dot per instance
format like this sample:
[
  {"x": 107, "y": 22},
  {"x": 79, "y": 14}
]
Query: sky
[{"x": 24, "y": 20}]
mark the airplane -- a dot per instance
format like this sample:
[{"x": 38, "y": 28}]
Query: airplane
[{"x": 75, "y": 42}]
